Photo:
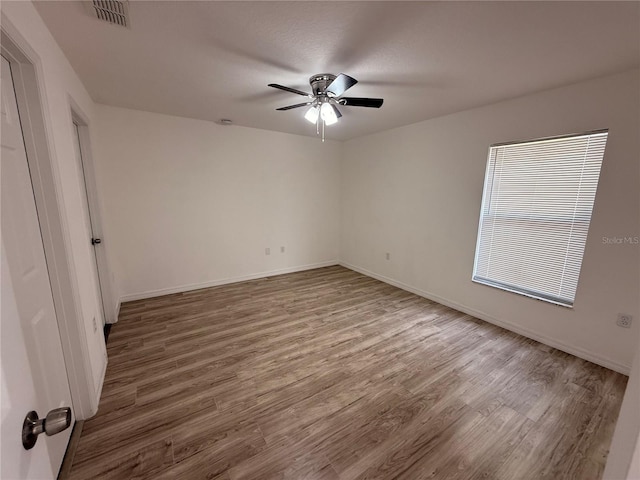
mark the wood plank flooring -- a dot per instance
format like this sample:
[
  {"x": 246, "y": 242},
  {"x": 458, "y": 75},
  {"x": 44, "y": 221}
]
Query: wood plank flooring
[{"x": 328, "y": 374}]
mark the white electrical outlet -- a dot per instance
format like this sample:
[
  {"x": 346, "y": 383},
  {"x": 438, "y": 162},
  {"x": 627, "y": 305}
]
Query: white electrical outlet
[
  {"x": 267, "y": 251},
  {"x": 624, "y": 320}
]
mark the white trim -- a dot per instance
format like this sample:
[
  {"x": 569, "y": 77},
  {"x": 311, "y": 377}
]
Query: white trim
[
  {"x": 116, "y": 311},
  {"x": 214, "y": 283},
  {"x": 100, "y": 383},
  {"x": 571, "y": 349}
]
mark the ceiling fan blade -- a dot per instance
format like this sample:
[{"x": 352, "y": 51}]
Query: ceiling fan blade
[
  {"x": 291, "y": 90},
  {"x": 341, "y": 84},
  {"x": 297, "y": 105},
  {"x": 361, "y": 102}
]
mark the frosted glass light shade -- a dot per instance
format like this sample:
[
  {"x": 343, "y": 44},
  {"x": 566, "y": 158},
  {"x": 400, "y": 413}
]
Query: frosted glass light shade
[
  {"x": 312, "y": 114},
  {"x": 328, "y": 114}
]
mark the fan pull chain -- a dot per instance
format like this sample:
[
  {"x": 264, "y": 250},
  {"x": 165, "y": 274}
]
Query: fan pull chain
[{"x": 323, "y": 130}]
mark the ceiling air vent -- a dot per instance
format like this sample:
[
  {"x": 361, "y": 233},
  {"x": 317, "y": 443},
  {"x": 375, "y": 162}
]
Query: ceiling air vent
[{"x": 112, "y": 11}]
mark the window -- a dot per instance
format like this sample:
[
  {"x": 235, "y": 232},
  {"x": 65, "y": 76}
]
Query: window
[{"x": 536, "y": 207}]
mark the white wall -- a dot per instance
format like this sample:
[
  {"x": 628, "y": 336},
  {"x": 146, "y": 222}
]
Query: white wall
[
  {"x": 415, "y": 192},
  {"x": 190, "y": 203},
  {"x": 59, "y": 89},
  {"x": 623, "y": 461}
]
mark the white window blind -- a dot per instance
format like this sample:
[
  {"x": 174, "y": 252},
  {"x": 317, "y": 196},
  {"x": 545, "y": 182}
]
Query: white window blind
[{"x": 536, "y": 207}]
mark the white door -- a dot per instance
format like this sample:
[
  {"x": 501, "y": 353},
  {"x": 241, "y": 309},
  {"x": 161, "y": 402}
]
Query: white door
[
  {"x": 33, "y": 370},
  {"x": 95, "y": 241}
]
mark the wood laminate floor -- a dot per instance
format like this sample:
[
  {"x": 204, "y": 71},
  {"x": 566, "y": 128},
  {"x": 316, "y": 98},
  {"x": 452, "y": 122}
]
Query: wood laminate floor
[{"x": 329, "y": 374}]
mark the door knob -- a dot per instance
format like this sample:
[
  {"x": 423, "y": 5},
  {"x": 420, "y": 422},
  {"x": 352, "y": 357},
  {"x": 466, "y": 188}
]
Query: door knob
[
  {"x": 55, "y": 422},
  {"x": 95, "y": 241}
]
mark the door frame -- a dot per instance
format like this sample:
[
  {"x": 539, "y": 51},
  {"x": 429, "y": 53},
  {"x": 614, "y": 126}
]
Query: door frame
[
  {"x": 110, "y": 311},
  {"x": 47, "y": 187}
]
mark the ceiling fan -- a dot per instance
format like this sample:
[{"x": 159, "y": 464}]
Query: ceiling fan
[{"x": 327, "y": 91}]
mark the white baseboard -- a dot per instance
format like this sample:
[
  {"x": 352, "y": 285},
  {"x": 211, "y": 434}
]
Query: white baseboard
[
  {"x": 571, "y": 349},
  {"x": 214, "y": 283}
]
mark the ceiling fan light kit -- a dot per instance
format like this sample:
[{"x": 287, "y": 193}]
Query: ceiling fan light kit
[{"x": 327, "y": 95}]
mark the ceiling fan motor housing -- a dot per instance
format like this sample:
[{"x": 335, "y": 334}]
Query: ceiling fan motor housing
[{"x": 320, "y": 82}]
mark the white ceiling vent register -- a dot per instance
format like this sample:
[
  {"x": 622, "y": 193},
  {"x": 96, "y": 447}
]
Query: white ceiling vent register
[{"x": 112, "y": 11}]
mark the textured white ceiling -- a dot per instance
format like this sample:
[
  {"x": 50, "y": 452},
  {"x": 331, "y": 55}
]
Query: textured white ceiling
[{"x": 212, "y": 60}]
